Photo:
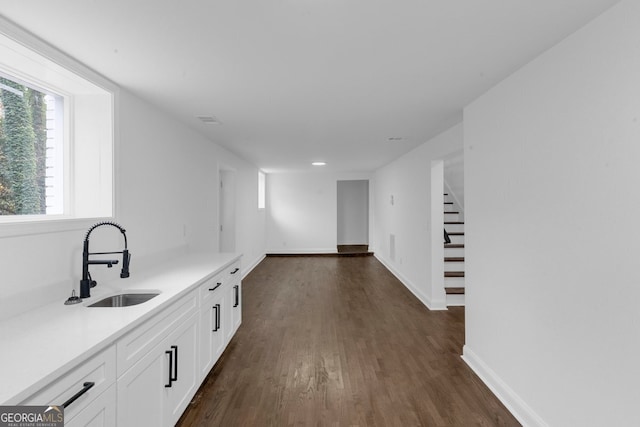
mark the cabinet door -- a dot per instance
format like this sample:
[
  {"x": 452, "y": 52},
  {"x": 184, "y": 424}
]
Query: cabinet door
[
  {"x": 143, "y": 339},
  {"x": 185, "y": 373},
  {"x": 141, "y": 390},
  {"x": 101, "y": 412},
  {"x": 235, "y": 307},
  {"x": 227, "y": 313},
  {"x": 212, "y": 333}
]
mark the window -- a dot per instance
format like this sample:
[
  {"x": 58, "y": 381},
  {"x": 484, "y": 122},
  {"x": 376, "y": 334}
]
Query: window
[
  {"x": 261, "y": 189},
  {"x": 31, "y": 168},
  {"x": 56, "y": 135}
]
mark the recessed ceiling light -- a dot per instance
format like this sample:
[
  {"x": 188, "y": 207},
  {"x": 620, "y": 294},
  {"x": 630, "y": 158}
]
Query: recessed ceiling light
[
  {"x": 395, "y": 138},
  {"x": 210, "y": 120},
  {"x": 318, "y": 163}
]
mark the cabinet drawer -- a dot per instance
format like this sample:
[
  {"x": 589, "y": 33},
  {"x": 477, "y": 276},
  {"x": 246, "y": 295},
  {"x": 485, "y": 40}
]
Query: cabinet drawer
[
  {"x": 232, "y": 273},
  {"x": 210, "y": 288},
  {"x": 100, "y": 412},
  {"x": 100, "y": 370},
  {"x": 133, "y": 346}
]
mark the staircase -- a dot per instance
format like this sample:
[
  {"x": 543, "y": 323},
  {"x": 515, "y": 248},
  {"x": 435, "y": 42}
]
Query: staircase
[{"x": 453, "y": 254}]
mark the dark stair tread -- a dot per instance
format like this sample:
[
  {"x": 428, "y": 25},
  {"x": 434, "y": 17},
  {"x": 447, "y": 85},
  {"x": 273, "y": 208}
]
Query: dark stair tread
[
  {"x": 454, "y": 274},
  {"x": 452, "y": 213},
  {"x": 448, "y": 203},
  {"x": 455, "y": 233},
  {"x": 454, "y": 259},
  {"x": 454, "y": 245},
  {"x": 454, "y": 291},
  {"x": 454, "y": 222}
]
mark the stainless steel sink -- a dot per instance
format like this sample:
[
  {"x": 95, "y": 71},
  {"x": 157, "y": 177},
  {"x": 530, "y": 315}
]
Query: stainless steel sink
[{"x": 124, "y": 300}]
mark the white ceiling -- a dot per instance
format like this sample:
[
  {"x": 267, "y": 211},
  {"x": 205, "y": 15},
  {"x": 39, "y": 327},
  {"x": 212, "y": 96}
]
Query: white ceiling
[{"x": 293, "y": 81}]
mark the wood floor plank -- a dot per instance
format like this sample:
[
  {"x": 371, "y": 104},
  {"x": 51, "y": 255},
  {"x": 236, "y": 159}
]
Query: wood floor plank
[{"x": 341, "y": 342}]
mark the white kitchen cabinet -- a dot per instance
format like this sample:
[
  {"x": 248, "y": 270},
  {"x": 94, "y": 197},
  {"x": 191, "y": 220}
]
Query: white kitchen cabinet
[
  {"x": 141, "y": 391},
  {"x": 234, "y": 300},
  {"x": 164, "y": 374},
  {"x": 101, "y": 412},
  {"x": 235, "y": 294},
  {"x": 86, "y": 390},
  {"x": 220, "y": 314},
  {"x": 145, "y": 337},
  {"x": 212, "y": 327},
  {"x": 184, "y": 343},
  {"x": 156, "y": 389}
]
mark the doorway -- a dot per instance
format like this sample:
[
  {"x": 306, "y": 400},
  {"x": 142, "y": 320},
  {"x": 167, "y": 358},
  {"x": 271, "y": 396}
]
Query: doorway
[
  {"x": 353, "y": 216},
  {"x": 227, "y": 212}
]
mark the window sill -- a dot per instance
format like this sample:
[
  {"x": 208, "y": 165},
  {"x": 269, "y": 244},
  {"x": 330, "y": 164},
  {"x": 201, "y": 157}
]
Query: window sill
[{"x": 34, "y": 226}]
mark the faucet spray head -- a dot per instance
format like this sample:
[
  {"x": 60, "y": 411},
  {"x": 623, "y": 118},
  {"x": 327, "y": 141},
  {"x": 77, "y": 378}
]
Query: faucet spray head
[{"x": 126, "y": 257}]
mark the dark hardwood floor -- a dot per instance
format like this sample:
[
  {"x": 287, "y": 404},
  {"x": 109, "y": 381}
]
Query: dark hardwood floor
[{"x": 338, "y": 341}]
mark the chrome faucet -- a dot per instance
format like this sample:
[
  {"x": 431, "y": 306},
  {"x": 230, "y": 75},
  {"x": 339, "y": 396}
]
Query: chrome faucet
[{"x": 86, "y": 283}]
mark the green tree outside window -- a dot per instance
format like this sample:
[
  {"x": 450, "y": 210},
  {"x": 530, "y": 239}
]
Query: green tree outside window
[{"x": 22, "y": 150}]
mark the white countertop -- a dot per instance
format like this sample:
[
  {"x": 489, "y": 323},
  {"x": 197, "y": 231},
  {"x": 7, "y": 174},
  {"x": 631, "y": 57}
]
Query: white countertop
[{"x": 40, "y": 345}]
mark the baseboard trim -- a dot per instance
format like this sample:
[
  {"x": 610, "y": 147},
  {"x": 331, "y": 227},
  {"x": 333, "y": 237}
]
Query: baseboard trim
[
  {"x": 309, "y": 251},
  {"x": 334, "y": 254},
  {"x": 424, "y": 299},
  {"x": 518, "y": 407}
]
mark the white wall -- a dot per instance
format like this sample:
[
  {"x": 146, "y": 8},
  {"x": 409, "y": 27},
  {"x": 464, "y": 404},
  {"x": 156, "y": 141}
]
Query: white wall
[
  {"x": 302, "y": 211},
  {"x": 408, "y": 180},
  {"x": 353, "y": 212},
  {"x": 166, "y": 198},
  {"x": 227, "y": 211},
  {"x": 251, "y": 222},
  {"x": 552, "y": 158},
  {"x": 168, "y": 176}
]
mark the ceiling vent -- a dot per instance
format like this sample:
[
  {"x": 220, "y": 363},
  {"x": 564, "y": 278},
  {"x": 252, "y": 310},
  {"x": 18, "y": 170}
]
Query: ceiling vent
[{"x": 210, "y": 120}]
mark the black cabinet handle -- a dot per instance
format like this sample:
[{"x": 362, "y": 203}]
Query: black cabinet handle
[
  {"x": 85, "y": 388},
  {"x": 170, "y": 353},
  {"x": 218, "y": 284},
  {"x": 217, "y": 325},
  {"x": 237, "y": 291},
  {"x": 235, "y": 271},
  {"x": 218, "y": 314},
  {"x": 175, "y": 361}
]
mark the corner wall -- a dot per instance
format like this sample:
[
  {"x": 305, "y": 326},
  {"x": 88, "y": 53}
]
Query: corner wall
[
  {"x": 552, "y": 159},
  {"x": 408, "y": 180},
  {"x": 302, "y": 211}
]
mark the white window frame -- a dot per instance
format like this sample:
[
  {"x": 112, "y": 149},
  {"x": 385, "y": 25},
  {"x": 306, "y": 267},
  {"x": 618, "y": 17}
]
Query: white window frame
[{"x": 89, "y": 131}]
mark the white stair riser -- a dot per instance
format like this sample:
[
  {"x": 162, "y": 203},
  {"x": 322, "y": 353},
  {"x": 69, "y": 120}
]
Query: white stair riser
[
  {"x": 454, "y": 266},
  {"x": 455, "y": 300},
  {"x": 457, "y": 239},
  {"x": 451, "y": 228},
  {"x": 454, "y": 282},
  {"x": 453, "y": 252},
  {"x": 449, "y": 208},
  {"x": 451, "y": 217}
]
